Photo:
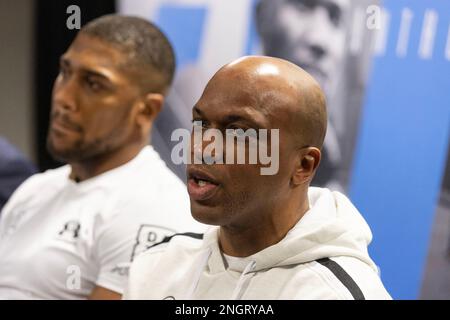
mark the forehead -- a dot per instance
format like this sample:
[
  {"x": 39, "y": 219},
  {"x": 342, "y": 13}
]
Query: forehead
[
  {"x": 237, "y": 94},
  {"x": 91, "y": 52},
  {"x": 224, "y": 95}
]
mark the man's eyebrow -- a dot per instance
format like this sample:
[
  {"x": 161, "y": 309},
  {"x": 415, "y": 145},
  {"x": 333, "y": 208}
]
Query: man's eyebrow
[
  {"x": 95, "y": 73},
  {"x": 66, "y": 62},
  {"x": 246, "y": 119},
  {"x": 230, "y": 118},
  {"x": 236, "y": 117}
]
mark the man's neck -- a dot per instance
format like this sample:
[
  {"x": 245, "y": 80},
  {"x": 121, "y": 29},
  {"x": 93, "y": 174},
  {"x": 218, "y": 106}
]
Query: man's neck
[
  {"x": 243, "y": 242},
  {"x": 85, "y": 170}
]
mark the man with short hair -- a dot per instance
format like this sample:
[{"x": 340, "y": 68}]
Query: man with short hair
[
  {"x": 274, "y": 236},
  {"x": 70, "y": 233}
]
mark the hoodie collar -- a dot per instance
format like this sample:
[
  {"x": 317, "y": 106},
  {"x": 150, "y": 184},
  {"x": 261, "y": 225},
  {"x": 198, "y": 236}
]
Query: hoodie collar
[{"x": 331, "y": 227}]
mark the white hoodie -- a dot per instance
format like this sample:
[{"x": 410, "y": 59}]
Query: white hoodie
[{"x": 324, "y": 256}]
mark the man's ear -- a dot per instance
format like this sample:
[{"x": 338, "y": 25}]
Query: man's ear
[
  {"x": 149, "y": 108},
  {"x": 308, "y": 161}
]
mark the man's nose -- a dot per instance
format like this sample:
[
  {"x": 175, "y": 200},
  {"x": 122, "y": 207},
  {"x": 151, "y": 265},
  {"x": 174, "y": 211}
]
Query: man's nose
[
  {"x": 196, "y": 150},
  {"x": 206, "y": 150},
  {"x": 319, "y": 31},
  {"x": 317, "y": 50},
  {"x": 65, "y": 95}
]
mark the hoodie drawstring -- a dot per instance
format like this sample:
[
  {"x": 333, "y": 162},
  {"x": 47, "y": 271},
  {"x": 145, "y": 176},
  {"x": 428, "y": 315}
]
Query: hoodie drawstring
[{"x": 243, "y": 281}]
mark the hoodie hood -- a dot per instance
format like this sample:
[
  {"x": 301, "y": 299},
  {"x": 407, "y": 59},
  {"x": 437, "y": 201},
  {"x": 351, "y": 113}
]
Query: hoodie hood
[{"x": 332, "y": 227}]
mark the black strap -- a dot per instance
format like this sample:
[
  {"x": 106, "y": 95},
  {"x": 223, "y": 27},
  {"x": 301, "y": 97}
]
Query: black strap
[
  {"x": 186, "y": 234},
  {"x": 343, "y": 277}
]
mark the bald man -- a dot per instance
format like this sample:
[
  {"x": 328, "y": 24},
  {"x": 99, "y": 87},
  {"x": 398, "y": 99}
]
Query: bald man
[{"x": 273, "y": 236}]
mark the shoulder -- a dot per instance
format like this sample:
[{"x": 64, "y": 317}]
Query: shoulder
[
  {"x": 174, "y": 255},
  {"x": 51, "y": 176},
  {"x": 179, "y": 243},
  {"x": 349, "y": 278},
  {"x": 150, "y": 212},
  {"x": 151, "y": 194},
  {"x": 42, "y": 182},
  {"x": 148, "y": 175},
  {"x": 179, "y": 246},
  {"x": 367, "y": 279},
  {"x": 163, "y": 179}
]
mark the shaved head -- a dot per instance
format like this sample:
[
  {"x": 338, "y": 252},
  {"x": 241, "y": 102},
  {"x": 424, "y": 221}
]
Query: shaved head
[
  {"x": 256, "y": 93},
  {"x": 278, "y": 86},
  {"x": 266, "y": 93}
]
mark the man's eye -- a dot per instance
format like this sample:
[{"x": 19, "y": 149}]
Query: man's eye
[
  {"x": 235, "y": 132},
  {"x": 335, "y": 15},
  {"x": 240, "y": 132},
  {"x": 93, "y": 84}
]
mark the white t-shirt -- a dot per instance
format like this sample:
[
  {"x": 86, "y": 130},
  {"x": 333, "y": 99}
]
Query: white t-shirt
[{"x": 59, "y": 239}]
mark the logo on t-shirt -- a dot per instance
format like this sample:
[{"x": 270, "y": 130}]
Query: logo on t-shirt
[
  {"x": 70, "y": 230},
  {"x": 147, "y": 236},
  {"x": 121, "y": 269}
]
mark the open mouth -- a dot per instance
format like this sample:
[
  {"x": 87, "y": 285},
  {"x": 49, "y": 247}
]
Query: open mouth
[{"x": 201, "y": 185}]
